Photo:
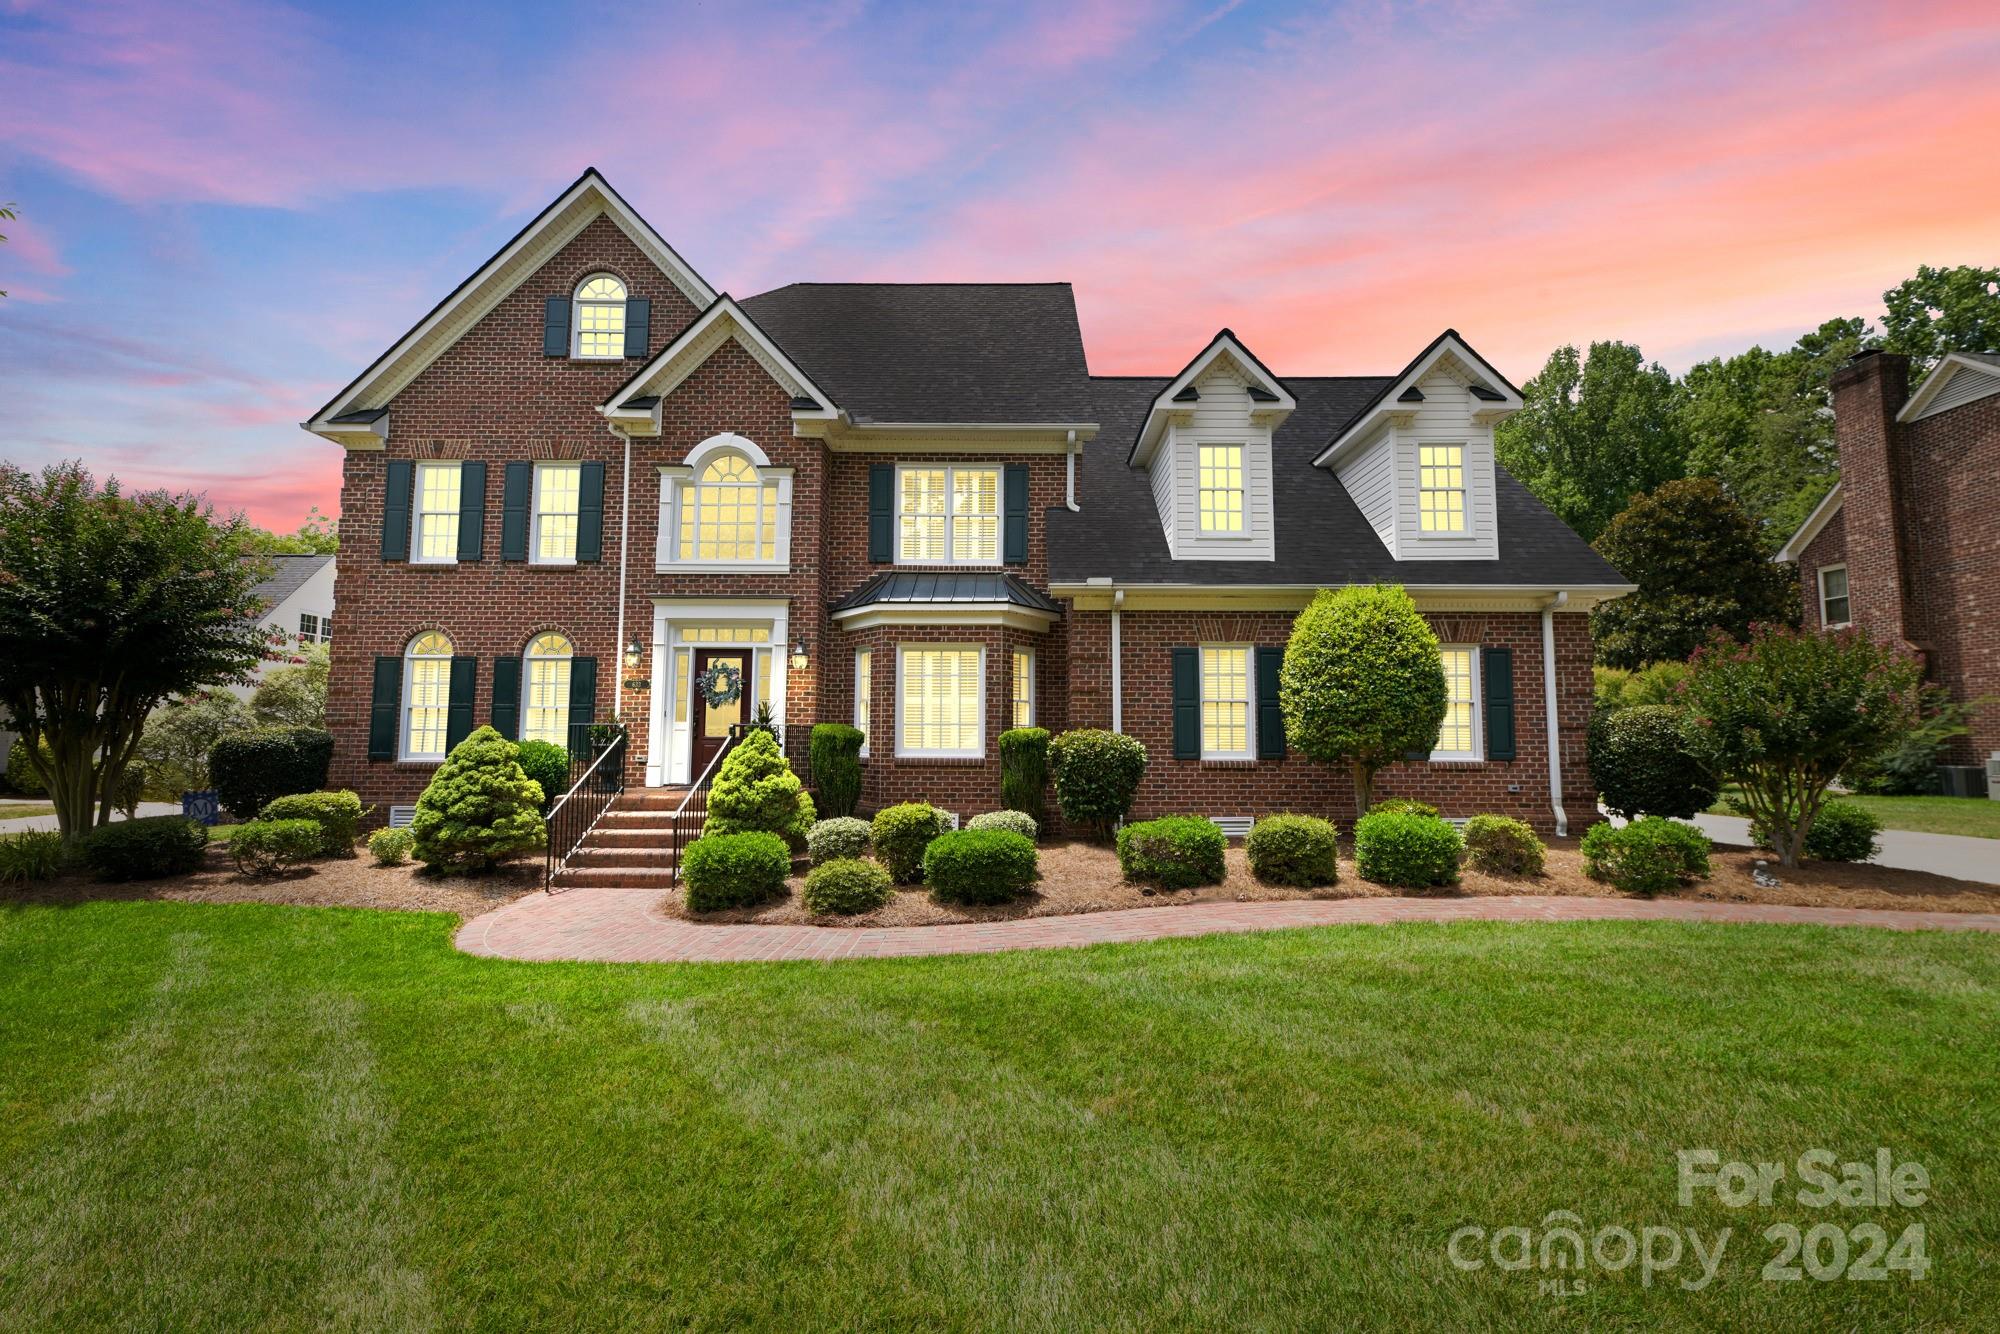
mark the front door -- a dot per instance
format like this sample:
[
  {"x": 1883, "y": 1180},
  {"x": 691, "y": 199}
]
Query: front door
[{"x": 729, "y": 670}]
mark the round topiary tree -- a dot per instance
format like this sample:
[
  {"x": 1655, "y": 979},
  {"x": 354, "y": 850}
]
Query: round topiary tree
[
  {"x": 1643, "y": 765},
  {"x": 1363, "y": 682},
  {"x": 480, "y": 810},
  {"x": 1096, "y": 775},
  {"x": 756, "y": 790}
]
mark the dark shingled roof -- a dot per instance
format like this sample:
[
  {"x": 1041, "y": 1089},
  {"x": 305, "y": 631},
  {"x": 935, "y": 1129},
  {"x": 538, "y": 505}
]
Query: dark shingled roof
[
  {"x": 1321, "y": 536},
  {"x": 289, "y": 574},
  {"x": 935, "y": 352},
  {"x": 948, "y": 586}
]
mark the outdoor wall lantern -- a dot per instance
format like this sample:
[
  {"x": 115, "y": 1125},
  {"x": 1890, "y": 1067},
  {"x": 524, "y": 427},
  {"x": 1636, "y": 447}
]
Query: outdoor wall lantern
[
  {"x": 634, "y": 650},
  {"x": 799, "y": 658}
]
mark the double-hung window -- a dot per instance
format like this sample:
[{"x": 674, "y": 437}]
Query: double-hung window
[
  {"x": 434, "y": 535},
  {"x": 1023, "y": 687},
  {"x": 1459, "y": 737},
  {"x": 1441, "y": 488},
  {"x": 599, "y": 318},
  {"x": 1226, "y": 703},
  {"x": 948, "y": 515},
  {"x": 557, "y": 486},
  {"x": 426, "y": 696},
  {"x": 308, "y": 627},
  {"x": 1835, "y": 610},
  {"x": 940, "y": 701},
  {"x": 1219, "y": 493},
  {"x": 864, "y": 691},
  {"x": 545, "y": 690}
]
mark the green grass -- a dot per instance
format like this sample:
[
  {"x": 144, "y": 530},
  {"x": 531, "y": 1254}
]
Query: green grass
[
  {"x": 246, "y": 1115},
  {"x": 9, "y": 811},
  {"x": 1973, "y": 817}
]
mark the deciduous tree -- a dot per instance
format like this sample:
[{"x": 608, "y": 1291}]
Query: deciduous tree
[{"x": 1942, "y": 310}]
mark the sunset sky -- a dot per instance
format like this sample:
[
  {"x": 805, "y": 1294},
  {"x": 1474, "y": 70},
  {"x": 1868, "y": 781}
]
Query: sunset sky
[{"x": 228, "y": 208}]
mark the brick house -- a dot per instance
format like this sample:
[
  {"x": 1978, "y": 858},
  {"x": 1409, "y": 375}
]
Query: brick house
[
  {"x": 587, "y": 485},
  {"x": 1904, "y": 547}
]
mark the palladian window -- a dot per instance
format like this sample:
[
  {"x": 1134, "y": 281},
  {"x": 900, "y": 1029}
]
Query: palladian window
[{"x": 729, "y": 514}]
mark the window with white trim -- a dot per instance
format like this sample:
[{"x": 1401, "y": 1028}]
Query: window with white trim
[
  {"x": 308, "y": 628},
  {"x": 597, "y": 319},
  {"x": 940, "y": 701},
  {"x": 434, "y": 534},
  {"x": 1219, "y": 494},
  {"x": 1023, "y": 688},
  {"x": 948, "y": 515},
  {"x": 426, "y": 696},
  {"x": 1441, "y": 488},
  {"x": 729, "y": 513},
  {"x": 557, "y": 486},
  {"x": 1226, "y": 702},
  {"x": 545, "y": 689},
  {"x": 864, "y": 691},
  {"x": 1835, "y": 608},
  {"x": 1459, "y": 737}
]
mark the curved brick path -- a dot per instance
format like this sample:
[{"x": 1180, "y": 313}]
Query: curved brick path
[{"x": 626, "y": 925}]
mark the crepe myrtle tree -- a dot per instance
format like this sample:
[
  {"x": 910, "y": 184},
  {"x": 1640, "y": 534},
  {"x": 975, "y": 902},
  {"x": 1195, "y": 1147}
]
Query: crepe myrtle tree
[
  {"x": 1362, "y": 682},
  {"x": 111, "y": 604},
  {"x": 1781, "y": 715}
]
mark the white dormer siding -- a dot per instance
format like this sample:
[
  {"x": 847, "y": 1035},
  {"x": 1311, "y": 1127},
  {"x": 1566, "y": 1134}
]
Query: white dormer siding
[{"x": 1221, "y": 416}]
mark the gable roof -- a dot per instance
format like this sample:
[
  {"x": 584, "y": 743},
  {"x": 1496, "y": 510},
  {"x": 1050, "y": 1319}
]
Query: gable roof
[
  {"x": 288, "y": 575},
  {"x": 1946, "y": 383},
  {"x": 548, "y": 231},
  {"x": 942, "y": 353},
  {"x": 1270, "y": 395},
  {"x": 1447, "y": 343},
  {"x": 723, "y": 319},
  {"x": 1822, "y": 515}
]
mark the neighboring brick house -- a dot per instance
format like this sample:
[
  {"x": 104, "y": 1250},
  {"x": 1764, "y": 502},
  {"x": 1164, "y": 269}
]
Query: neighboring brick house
[
  {"x": 1907, "y": 544},
  {"x": 587, "y": 483}
]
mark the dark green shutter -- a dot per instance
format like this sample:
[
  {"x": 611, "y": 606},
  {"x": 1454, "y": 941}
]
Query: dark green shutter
[
  {"x": 396, "y": 495},
  {"x": 1270, "y": 715},
  {"x": 507, "y": 697},
  {"x": 1187, "y": 704},
  {"x": 1016, "y": 525},
  {"x": 582, "y": 701},
  {"x": 516, "y": 493},
  {"x": 881, "y": 513},
  {"x": 385, "y": 713},
  {"x": 555, "y": 326},
  {"x": 458, "y": 714},
  {"x": 471, "y": 510},
  {"x": 1496, "y": 668},
  {"x": 590, "y": 512},
  {"x": 638, "y": 325}
]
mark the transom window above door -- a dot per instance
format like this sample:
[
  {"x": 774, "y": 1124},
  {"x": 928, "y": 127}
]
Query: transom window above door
[{"x": 948, "y": 515}]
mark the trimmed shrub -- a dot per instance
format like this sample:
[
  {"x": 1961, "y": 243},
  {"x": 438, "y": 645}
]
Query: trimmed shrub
[
  {"x": 37, "y": 854},
  {"x": 1646, "y": 856},
  {"x": 1841, "y": 832},
  {"x": 131, "y": 789},
  {"x": 734, "y": 870},
  {"x": 756, "y": 791},
  {"x": 979, "y": 866},
  {"x": 899, "y": 835},
  {"x": 1024, "y": 772},
  {"x": 1014, "y": 822},
  {"x": 1174, "y": 852},
  {"x": 1498, "y": 845},
  {"x": 847, "y": 885},
  {"x": 1096, "y": 775},
  {"x": 20, "y": 775},
  {"x": 836, "y": 766},
  {"x": 837, "y": 839},
  {"x": 1406, "y": 850},
  {"x": 265, "y": 847},
  {"x": 480, "y": 810},
  {"x": 148, "y": 849},
  {"x": 250, "y": 768},
  {"x": 391, "y": 847},
  {"x": 338, "y": 815},
  {"x": 1643, "y": 766},
  {"x": 1403, "y": 806},
  {"x": 548, "y": 765},
  {"x": 1302, "y": 851}
]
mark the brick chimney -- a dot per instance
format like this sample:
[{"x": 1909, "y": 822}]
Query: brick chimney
[{"x": 1867, "y": 393}]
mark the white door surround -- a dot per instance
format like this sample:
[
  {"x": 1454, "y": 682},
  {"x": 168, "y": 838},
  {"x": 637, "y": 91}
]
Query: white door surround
[{"x": 681, "y": 625}]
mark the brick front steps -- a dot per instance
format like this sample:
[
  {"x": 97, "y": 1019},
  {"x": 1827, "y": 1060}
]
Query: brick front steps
[{"x": 632, "y": 846}]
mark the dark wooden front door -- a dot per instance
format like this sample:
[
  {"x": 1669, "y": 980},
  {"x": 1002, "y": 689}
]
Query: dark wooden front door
[{"x": 713, "y": 721}]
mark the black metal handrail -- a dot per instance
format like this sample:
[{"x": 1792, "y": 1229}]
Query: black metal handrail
[
  {"x": 578, "y": 810},
  {"x": 694, "y": 806}
]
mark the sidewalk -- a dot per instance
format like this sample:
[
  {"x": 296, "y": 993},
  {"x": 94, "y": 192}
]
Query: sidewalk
[{"x": 1954, "y": 855}]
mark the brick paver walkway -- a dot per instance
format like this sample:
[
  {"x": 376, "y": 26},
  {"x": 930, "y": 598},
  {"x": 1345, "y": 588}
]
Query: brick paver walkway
[{"x": 627, "y": 926}]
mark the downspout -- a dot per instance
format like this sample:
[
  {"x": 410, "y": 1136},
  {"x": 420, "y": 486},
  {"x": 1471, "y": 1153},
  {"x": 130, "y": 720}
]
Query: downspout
[
  {"x": 1553, "y": 724},
  {"x": 624, "y": 533},
  {"x": 1069, "y": 489},
  {"x": 1117, "y": 665}
]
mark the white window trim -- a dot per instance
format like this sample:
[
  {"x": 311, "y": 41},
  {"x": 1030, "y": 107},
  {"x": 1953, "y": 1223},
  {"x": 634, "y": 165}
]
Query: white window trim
[
  {"x": 576, "y": 304},
  {"x": 1034, "y": 703},
  {"x": 951, "y": 471},
  {"x": 677, "y": 480},
  {"x": 1249, "y": 751},
  {"x": 1478, "y": 751},
  {"x": 864, "y": 694},
  {"x": 528, "y": 661},
  {"x": 978, "y": 752},
  {"x": 1242, "y": 448},
  {"x": 535, "y": 556},
  {"x": 1464, "y": 489},
  {"x": 417, "y": 511},
  {"x": 1847, "y": 597},
  {"x": 407, "y": 707}
]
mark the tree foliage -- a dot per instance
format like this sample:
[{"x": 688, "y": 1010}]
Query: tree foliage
[
  {"x": 1699, "y": 566},
  {"x": 1942, "y": 310},
  {"x": 1363, "y": 681},
  {"x": 755, "y": 789},
  {"x": 317, "y": 536},
  {"x": 294, "y": 695},
  {"x": 479, "y": 810},
  {"x": 110, "y": 605},
  {"x": 179, "y": 736}
]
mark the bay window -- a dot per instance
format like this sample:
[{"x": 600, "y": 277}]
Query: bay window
[{"x": 940, "y": 701}]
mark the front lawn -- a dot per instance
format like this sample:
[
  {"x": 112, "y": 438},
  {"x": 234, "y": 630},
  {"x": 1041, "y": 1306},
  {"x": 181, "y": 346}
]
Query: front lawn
[
  {"x": 236, "y": 1115},
  {"x": 23, "y": 811},
  {"x": 1974, "y": 817}
]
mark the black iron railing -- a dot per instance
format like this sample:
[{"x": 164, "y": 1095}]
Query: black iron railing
[
  {"x": 692, "y": 813},
  {"x": 596, "y": 779}
]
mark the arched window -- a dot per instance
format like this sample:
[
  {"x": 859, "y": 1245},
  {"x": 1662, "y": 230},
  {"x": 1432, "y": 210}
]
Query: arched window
[
  {"x": 426, "y": 696},
  {"x": 598, "y": 318},
  {"x": 545, "y": 690},
  {"x": 729, "y": 513}
]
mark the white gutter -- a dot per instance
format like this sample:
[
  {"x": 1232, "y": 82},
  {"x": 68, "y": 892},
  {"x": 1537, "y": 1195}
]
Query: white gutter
[
  {"x": 1552, "y": 724},
  {"x": 1069, "y": 492},
  {"x": 1117, "y": 665},
  {"x": 624, "y": 532}
]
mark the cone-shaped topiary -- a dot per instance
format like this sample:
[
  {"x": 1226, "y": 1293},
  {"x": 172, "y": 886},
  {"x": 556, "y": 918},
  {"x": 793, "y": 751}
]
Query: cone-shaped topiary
[
  {"x": 756, "y": 790},
  {"x": 480, "y": 809}
]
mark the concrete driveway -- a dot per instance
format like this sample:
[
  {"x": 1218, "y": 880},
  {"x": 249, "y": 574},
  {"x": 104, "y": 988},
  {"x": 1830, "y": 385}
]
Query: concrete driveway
[
  {"x": 1941, "y": 854},
  {"x": 8, "y": 826}
]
